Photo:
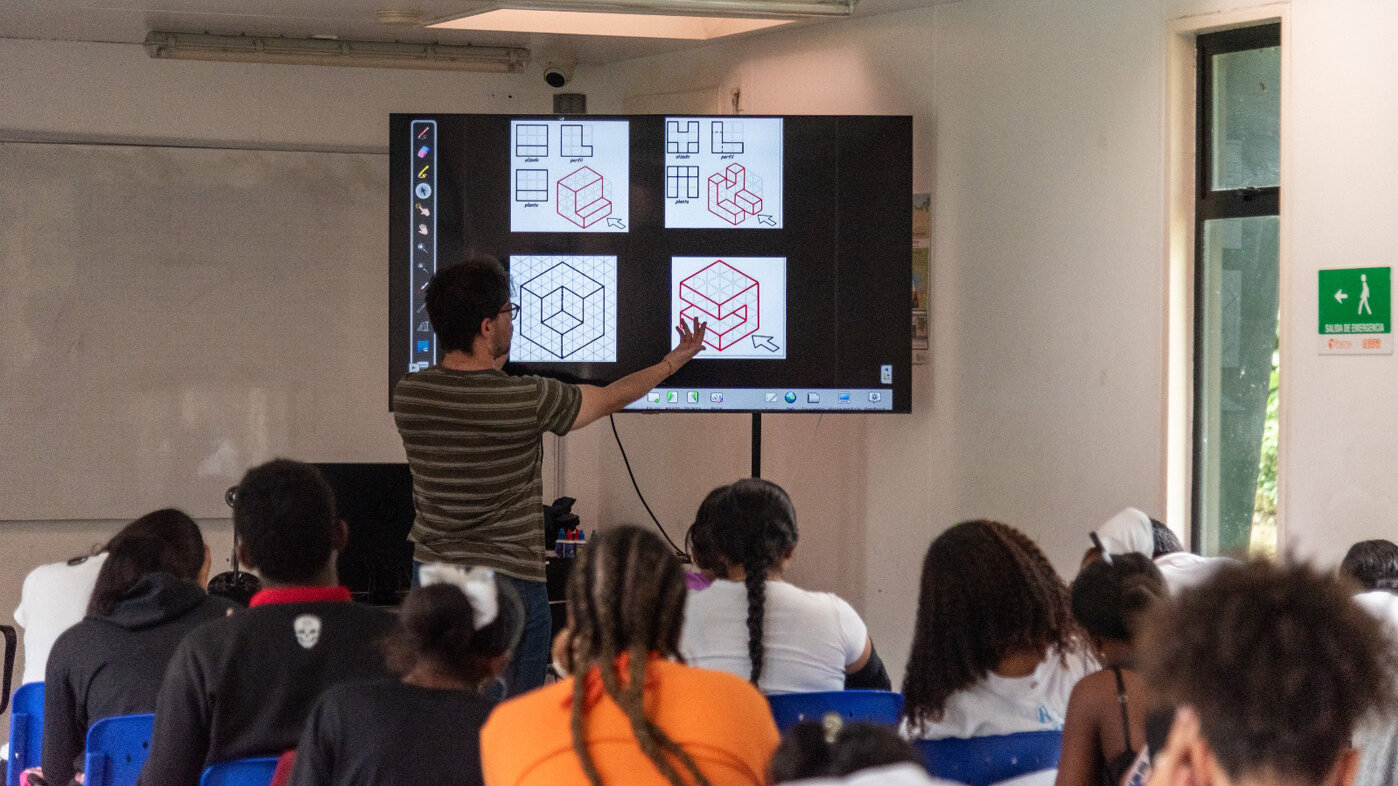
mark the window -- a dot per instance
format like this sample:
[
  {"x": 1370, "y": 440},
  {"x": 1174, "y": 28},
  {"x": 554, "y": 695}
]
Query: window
[{"x": 1236, "y": 274}]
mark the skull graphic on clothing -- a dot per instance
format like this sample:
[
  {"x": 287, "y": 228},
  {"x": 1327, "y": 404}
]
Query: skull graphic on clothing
[{"x": 307, "y": 627}]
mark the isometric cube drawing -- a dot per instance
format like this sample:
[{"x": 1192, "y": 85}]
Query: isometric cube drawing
[
  {"x": 581, "y": 198},
  {"x": 729, "y": 197},
  {"x": 562, "y": 310},
  {"x": 725, "y": 297}
]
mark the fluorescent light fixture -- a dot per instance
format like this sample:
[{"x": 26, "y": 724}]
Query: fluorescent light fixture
[
  {"x": 319, "y": 51},
  {"x": 682, "y": 19}
]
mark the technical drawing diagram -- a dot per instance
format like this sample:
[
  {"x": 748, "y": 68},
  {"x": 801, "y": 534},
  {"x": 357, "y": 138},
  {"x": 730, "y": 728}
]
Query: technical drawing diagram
[
  {"x": 570, "y": 176},
  {"x": 576, "y": 141},
  {"x": 726, "y": 136},
  {"x": 736, "y": 181},
  {"x": 531, "y": 185},
  {"x": 743, "y": 300},
  {"x": 729, "y": 196},
  {"x": 567, "y": 308},
  {"x": 681, "y": 182},
  {"x": 681, "y": 137},
  {"x": 582, "y": 198},
  {"x": 531, "y": 139}
]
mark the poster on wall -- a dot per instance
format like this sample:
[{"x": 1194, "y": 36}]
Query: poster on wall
[{"x": 921, "y": 278}]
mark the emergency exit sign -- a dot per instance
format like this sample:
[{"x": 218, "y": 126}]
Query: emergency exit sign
[{"x": 1356, "y": 311}]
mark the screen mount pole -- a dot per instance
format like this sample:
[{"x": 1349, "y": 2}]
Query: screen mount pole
[{"x": 757, "y": 444}]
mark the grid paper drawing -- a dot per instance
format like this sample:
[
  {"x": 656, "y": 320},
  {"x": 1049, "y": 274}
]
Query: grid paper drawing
[
  {"x": 682, "y": 142},
  {"x": 567, "y": 308},
  {"x": 582, "y": 198},
  {"x": 531, "y": 140},
  {"x": 575, "y": 141},
  {"x": 531, "y": 185},
  {"x": 726, "y": 136},
  {"x": 729, "y": 195},
  {"x": 725, "y": 297},
  {"x": 681, "y": 182}
]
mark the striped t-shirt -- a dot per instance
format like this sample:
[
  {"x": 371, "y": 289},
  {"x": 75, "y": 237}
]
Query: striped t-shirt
[{"x": 472, "y": 439}]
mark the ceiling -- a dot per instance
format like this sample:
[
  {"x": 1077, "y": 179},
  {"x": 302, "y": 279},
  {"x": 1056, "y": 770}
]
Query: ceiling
[{"x": 128, "y": 21}]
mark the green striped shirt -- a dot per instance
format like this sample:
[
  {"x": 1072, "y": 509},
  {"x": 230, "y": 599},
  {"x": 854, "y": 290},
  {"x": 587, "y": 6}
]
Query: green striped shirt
[{"x": 472, "y": 439}]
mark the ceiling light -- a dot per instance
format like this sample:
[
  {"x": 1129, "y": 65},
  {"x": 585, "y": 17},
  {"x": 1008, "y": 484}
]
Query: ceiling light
[
  {"x": 686, "y": 19},
  {"x": 312, "y": 51}
]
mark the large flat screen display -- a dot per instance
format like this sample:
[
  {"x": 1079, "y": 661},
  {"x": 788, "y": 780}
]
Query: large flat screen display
[{"x": 790, "y": 236}]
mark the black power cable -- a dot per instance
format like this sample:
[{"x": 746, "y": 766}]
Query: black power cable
[{"x": 639, "y": 495}]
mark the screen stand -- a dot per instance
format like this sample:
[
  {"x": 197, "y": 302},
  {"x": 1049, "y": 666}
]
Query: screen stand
[{"x": 757, "y": 444}]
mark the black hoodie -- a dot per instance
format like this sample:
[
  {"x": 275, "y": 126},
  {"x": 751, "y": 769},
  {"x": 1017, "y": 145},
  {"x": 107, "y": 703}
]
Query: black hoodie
[{"x": 112, "y": 664}]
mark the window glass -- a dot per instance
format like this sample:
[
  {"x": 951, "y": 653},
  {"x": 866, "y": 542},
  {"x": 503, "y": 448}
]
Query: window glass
[{"x": 1246, "y": 119}]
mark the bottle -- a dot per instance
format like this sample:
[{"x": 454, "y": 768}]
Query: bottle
[
  {"x": 582, "y": 540},
  {"x": 560, "y": 547}
]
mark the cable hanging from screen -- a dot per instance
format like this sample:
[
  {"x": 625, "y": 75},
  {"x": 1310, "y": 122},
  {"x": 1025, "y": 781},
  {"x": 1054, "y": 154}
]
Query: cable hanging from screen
[{"x": 612, "y": 419}]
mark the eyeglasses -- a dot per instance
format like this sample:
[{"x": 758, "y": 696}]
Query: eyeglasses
[{"x": 511, "y": 308}]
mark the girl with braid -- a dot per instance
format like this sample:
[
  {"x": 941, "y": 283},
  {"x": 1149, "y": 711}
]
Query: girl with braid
[
  {"x": 995, "y": 648},
  {"x": 632, "y": 713},
  {"x": 754, "y": 624}
]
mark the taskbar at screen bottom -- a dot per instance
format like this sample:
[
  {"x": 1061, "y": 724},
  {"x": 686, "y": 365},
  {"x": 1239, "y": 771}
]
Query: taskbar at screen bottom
[{"x": 765, "y": 400}]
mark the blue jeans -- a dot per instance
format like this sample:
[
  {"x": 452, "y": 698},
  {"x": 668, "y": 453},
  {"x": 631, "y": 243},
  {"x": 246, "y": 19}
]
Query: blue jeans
[{"x": 529, "y": 662}]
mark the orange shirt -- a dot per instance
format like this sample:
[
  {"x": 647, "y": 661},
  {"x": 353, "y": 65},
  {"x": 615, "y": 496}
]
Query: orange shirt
[{"x": 719, "y": 719}]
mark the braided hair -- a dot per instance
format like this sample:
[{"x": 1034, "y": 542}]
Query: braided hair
[
  {"x": 750, "y": 524},
  {"x": 626, "y": 597},
  {"x": 987, "y": 591}
]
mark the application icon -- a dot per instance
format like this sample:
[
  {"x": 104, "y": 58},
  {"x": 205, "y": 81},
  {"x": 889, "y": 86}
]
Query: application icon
[
  {"x": 423, "y": 151},
  {"x": 844, "y": 397},
  {"x": 886, "y": 373},
  {"x": 423, "y": 132},
  {"x": 421, "y": 173},
  {"x": 812, "y": 398},
  {"x": 424, "y": 345},
  {"x": 716, "y": 398},
  {"x": 693, "y": 396},
  {"x": 790, "y": 397},
  {"x": 423, "y": 191},
  {"x": 875, "y": 397},
  {"x": 424, "y": 327},
  {"x": 422, "y": 229},
  {"x": 672, "y": 397},
  {"x": 653, "y": 397},
  {"x": 771, "y": 397}
]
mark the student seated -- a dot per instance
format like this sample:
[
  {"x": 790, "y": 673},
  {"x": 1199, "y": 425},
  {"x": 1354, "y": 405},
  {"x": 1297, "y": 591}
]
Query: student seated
[
  {"x": 631, "y": 713},
  {"x": 147, "y": 597},
  {"x": 995, "y": 649},
  {"x": 752, "y": 623},
  {"x": 1272, "y": 668},
  {"x": 243, "y": 686},
  {"x": 833, "y": 752},
  {"x": 1132, "y": 531},
  {"x": 454, "y": 634},
  {"x": 1104, "y": 733}
]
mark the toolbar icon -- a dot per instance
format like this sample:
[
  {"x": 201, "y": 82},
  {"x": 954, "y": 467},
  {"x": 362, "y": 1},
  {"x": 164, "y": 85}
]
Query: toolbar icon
[{"x": 423, "y": 191}]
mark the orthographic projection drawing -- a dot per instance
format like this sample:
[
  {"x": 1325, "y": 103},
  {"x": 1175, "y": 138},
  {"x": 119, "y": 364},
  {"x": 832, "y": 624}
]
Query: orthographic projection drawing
[
  {"x": 743, "y": 300},
  {"x": 567, "y": 309},
  {"x": 570, "y": 176},
  {"x": 724, "y": 174}
]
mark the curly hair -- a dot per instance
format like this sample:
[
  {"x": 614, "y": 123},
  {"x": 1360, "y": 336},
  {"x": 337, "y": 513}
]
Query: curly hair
[
  {"x": 284, "y": 514},
  {"x": 749, "y": 524},
  {"x": 1372, "y": 563},
  {"x": 436, "y": 623},
  {"x": 1109, "y": 598},
  {"x": 987, "y": 591},
  {"x": 626, "y": 597},
  {"x": 460, "y": 297},
  {"x": 1278, "y": 664}
]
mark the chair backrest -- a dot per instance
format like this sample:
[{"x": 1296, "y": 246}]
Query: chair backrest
[
  {"x": 26, "y": 730},
  {"x": 980, "y": 761},
  {"x": 256, "y": 771},
  {"x": 11, "y": 646},
  {"x": 873, "y": 706},
  {"x": 117, "y": 748}
]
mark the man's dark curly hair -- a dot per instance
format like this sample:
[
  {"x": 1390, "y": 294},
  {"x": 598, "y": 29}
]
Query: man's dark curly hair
[
  {"x": 284, "y": 514},
  {"x": 1373, "y": 564},
  {"x": 462, "y": 296},
  {"x": 987, "y": 591},
  {"x": 1277, "y": 662}
]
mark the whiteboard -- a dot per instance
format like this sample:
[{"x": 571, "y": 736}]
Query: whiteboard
[{"x": 172, "y": 316}]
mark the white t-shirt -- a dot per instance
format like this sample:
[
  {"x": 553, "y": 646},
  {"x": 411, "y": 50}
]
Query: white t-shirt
[
  {"x": 53, "y": 599},
  {"x": 1183, "y": 569},
  {"x": 809, "y": 637},
  {"x": 1008, "y": 705}
]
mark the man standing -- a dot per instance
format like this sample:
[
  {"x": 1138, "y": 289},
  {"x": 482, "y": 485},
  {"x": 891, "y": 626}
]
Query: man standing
[{"x": 472, "y": 437}]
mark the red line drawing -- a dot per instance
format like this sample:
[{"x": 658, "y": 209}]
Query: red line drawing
[
  {"x": 580, "y": 198},
  {"x": 729, "y": 197},
  {"x": 725, "y": 297}
]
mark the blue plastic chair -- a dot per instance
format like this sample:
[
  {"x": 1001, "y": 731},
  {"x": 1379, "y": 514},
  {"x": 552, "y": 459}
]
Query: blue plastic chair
[
  {"x": 117, "y": 748},
  {"x": 873, "y": 706},
  {"x": 980, "y": 761},
  {"x": 257, "y": 771},
  {"x": 26, "y": 731}
]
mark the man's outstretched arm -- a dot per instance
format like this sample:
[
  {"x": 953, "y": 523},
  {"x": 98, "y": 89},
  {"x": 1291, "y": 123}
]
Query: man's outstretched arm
[{"x": 598, "y": 402}]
